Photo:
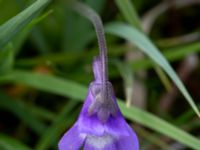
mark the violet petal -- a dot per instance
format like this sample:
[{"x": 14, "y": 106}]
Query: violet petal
[
  {"x": 128, "y": 142},
  {"x": 72, "y": 140},
  {"x": 97, "y": 69},
  {"x": 89, "y": 124}
]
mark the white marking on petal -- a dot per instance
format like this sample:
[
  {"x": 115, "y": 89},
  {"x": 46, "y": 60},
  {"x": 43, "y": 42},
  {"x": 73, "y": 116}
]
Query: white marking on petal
[
  {"x": 82, "y": 135},
  {"x": 99, "y": 142}
]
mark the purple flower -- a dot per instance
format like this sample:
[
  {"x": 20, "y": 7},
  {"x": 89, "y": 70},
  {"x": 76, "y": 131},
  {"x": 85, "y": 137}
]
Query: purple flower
[{"x": 100, "y": 125}]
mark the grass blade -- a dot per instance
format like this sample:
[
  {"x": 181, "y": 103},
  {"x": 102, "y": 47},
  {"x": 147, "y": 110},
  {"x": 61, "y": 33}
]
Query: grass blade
[
  {"x": 6, "y": 59},
  {"x": 129, "y": 12},
  {"x": 9, "y": 143},
  {"x": 140, "y": 40},
  {"x": 22, "y": 112},
  {"x": 46, "y": 83},
  {"x": 53, "y": 132},
  {"x": 159, "y": 125},
  {"x": 9, "y": 29}
]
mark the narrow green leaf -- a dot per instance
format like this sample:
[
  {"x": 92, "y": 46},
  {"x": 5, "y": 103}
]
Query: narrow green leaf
[
  {"x": 139, "y": 39},
  {"x": 6, "y": 59},
  {"x": 16, "y": 24},
  {"x": 22, "y": 112},
  {"x": 129, "y": 12},
  {"x": 70, "y": 89},
  {"x": 9, "y": 143},
  {"x": 159, "y": 125},
  {"x": 58, "y": 126},
  {"x": 42, "y": 113},
  {"x": 20, "y": 38},
  {"x": 172, "y": 55},
  {"x": 163, "y": 77},
  {"x": 46, "y": 83}
]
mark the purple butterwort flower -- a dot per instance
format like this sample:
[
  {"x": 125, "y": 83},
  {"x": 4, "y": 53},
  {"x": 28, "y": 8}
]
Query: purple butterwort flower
[{"x": 100, "y": 125}]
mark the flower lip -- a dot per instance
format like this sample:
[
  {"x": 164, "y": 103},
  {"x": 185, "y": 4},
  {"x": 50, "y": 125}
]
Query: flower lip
[{"x": 99, "y": 142}]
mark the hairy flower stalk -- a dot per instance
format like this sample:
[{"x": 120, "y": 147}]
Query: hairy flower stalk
[
  {"x": 100, "y": 125},
  {"x": 95, "y": 19}
]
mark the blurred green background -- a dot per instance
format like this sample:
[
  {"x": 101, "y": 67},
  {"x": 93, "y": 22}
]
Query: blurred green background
[{"x": 46, "y": 58}]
